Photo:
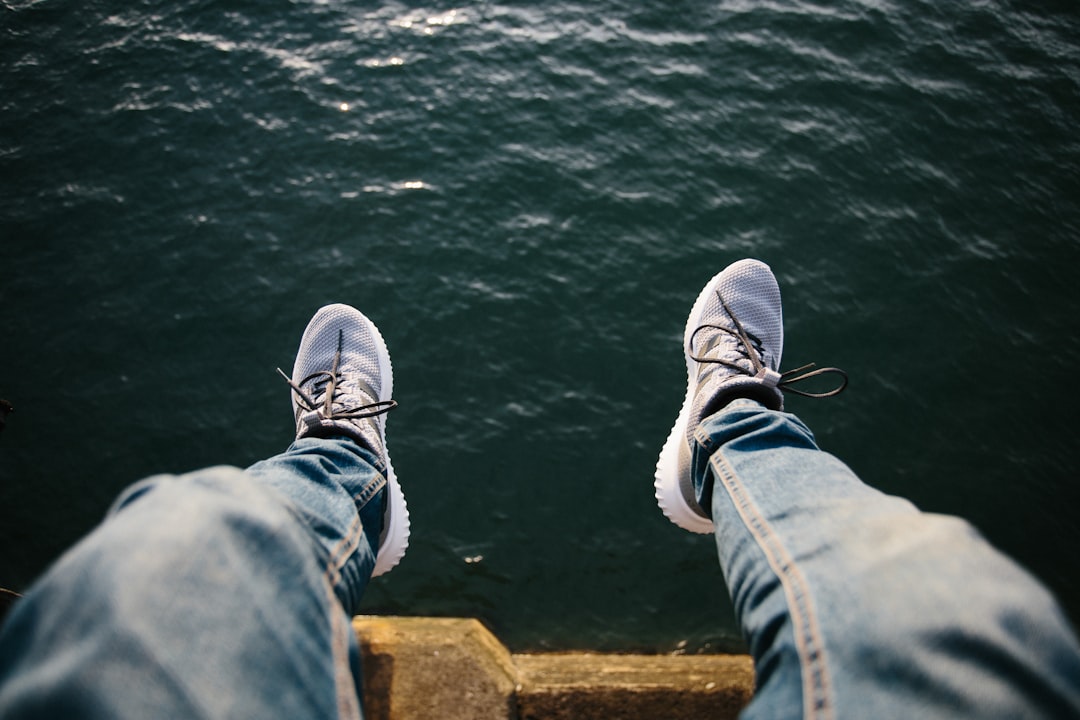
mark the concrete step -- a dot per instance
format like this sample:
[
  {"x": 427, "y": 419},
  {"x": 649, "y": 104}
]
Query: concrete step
[{"x": 454, "y": 668}]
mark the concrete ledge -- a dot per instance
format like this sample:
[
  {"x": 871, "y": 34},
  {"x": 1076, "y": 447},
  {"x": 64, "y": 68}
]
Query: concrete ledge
[
  {"x": 434, "y": 668},
  {"x": 455, "y": 668},
  {"x": 580, "y": 687}
]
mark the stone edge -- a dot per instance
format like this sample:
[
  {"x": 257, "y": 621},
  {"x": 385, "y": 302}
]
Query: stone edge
[{"x": 421, "y": 667}]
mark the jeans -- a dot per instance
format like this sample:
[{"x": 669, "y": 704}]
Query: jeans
[
  {"x": 227, "y": 593},
  {"x": 221, "y": 593},
  {"x": 857, "y": 605}
]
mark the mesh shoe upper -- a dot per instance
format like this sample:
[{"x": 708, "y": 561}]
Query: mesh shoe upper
[
  {"x": 741, "y": 304},
  {"x": 342, "y": 383},
  {"x": 342, "y": 378},
  {"x": 733, "y": 343}
]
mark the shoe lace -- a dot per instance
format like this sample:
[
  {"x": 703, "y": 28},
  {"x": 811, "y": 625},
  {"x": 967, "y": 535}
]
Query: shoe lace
[
  {"x": 750, "y": 348},
  {"x": 329, "y": 384}
]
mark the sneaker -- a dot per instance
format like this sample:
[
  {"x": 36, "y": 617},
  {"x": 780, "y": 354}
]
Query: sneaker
[
  {"x": 342, "y": 383},
  {"x": 733, "y": 341}
]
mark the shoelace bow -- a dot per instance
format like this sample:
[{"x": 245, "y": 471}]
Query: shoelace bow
[
  {"x": 329, "y": 388},
  {"x": 751, "y": 350}
]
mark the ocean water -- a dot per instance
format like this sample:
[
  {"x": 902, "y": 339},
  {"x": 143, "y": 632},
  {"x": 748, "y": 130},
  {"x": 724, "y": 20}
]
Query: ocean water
[{"x": 527, "y": 199}]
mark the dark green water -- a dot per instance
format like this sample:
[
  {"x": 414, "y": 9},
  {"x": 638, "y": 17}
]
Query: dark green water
[{"x": 527, "y": 200}]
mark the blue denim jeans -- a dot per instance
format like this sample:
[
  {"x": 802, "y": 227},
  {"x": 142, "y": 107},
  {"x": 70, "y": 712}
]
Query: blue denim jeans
[
  {"x": 857, "y": 605},
  {"x": 221, "y": 593},
  {"x": 227, "y": 593}
]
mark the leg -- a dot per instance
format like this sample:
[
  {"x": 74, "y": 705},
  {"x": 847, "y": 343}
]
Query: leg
[
  {"x": 855, "y": 604},
  {"x": 227, "y": 593},
  {"x": 204, "y": 596}
]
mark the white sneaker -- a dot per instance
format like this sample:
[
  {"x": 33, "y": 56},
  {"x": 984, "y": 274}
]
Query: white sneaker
[
  {"x": 342, "y": 384},
  {"x": 733, "y": 341}
]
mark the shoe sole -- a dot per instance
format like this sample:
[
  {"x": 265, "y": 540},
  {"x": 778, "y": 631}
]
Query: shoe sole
[
  {"x": 395, "y": 539},
  {"x": 667, "y": 483}
]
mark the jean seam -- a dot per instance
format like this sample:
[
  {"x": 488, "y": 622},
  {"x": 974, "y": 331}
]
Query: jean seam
[
  {"x": 344, "y": 685},
  {"x": 704, "y": 437},
  {"x": 809, "y": 643},
  {"x": 369, "y": 491},
  {"x": 341, "y": 552}
]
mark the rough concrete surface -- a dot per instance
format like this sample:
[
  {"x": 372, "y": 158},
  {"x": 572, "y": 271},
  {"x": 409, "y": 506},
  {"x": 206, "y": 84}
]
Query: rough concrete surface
[
  {"x": 451, "y": 668},
  {"x": 583, "y": 686},
  {"x": 421, "y": 668}
]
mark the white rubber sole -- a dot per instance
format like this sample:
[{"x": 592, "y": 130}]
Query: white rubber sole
[
  {"x": 673, "y": 466},
  {"x": 395, "y": 540},
  {"x": 396, "y": 522}
]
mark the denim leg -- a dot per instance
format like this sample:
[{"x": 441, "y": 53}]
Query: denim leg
[
  {"x": 220, "y": 593},
  {"x": 327, "y": 480},
  {"x": 856, "y": 604}
]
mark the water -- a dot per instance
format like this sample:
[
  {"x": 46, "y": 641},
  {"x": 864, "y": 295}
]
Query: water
[{"x": 527, "y": 200}]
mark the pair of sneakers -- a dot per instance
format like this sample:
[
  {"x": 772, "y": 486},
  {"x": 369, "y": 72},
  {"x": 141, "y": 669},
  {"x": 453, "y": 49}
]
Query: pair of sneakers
[{"x": 342, "y": 385}]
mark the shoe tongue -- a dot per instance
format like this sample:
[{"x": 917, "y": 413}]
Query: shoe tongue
[
  {"x": 318, "y": 389},
  {"x": 351, "y": 391},
  {"x": 763, "y": 327},
  {"x": 716, "y": 344}
]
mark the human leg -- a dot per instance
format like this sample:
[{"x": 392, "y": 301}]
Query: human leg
[
  {"x": 226, "y": 593},
  {"x": 854, "y": 603}
]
